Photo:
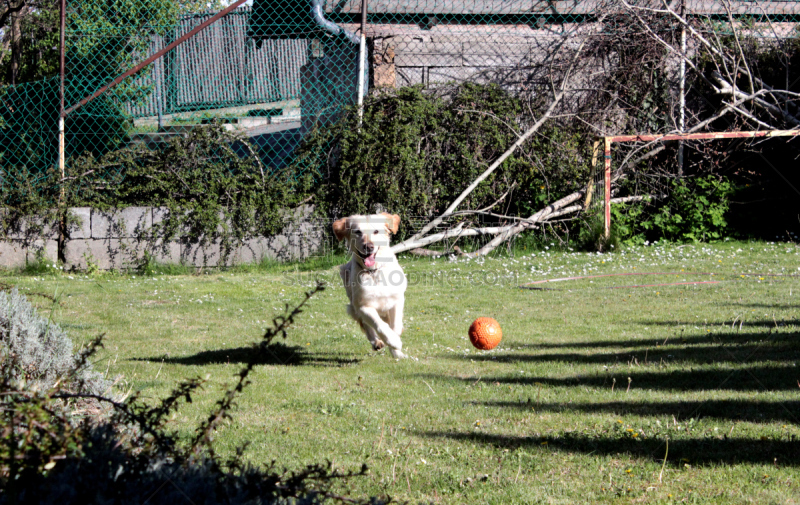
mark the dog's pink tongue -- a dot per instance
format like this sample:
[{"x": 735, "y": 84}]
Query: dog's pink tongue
[{"x": 369, "y": 261}]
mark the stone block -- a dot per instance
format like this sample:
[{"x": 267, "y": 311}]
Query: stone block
[
  {"x": 107, "y": 254},
  {"x": 13, "y": 254},
  {"x": 410, "y": 76},
  {"x": 510, "y": 76},
  {"x": 29, "y": 228},
  {"x": 495, "y": 55},
  {"x": 121, "y": 223},
  {"x": 428, "y": 60},
  {"x": 205, "y": 255},
  {"x": 18, "y": 253},
  {"x": 81, "y": 227},
  {"x": 42, "y": 249},
  {"x": 165, "y": 253},
  {"x": 448, "y": 74},
  {"x": 252, "y": 251}
]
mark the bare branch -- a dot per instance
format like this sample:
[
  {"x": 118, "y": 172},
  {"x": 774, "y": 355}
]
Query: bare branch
[{"x": 558, "y": 96}]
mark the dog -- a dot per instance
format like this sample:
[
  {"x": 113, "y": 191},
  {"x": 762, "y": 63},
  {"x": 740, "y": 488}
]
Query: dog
[{"x": 373, "y": 278}]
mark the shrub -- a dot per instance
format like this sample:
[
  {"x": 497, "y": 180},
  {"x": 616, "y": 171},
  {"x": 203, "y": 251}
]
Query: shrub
[
  {"x": 695, "y": 210},
  {"x": 37, "y": 352},
  {"x": 215, "y": 189},
  {"x": 415, "y": 152}
]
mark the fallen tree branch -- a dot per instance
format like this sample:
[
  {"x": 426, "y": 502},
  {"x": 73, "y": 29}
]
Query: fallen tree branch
[
  {"x": 724, "y": 58},
  {"x": 447, "y": 213},
  {"x": 453, "y": 233},
  {"x": 540, "y": 216},
  {"x": 726, "y": 88},
  {"x": 620, "y": 172},
  {"x": 504, "y": 195},
  {"x": 419, "y": 251},
  {"x": 548, "y": 214}
]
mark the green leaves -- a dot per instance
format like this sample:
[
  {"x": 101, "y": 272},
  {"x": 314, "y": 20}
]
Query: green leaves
[
  {"x": 694, "y": 211},
  {"x": 416, "y": 151}
]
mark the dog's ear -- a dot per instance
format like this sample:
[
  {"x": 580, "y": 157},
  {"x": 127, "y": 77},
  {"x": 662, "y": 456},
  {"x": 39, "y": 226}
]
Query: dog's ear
[
  {"x": 392, "y": 221},
  {"x": 340, "y": 228}
]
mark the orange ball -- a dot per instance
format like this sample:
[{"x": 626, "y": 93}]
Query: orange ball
[{"x": 485, "y": 333}]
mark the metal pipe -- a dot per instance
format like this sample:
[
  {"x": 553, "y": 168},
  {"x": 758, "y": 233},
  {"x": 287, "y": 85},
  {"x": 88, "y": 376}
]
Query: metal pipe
[
  {"x": 61, "y": 71},
  {"x": 156, "y": 56},
  {"x": 362, "y": 57},
  {"x": 330, "y": 27},
  {"x": 705, "y": 136}
]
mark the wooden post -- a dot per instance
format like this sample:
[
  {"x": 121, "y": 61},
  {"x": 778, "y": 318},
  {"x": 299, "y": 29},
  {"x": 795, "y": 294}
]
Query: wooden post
[{"x": 62, "y": 224}]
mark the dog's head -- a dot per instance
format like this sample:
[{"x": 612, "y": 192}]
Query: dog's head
[{"x": 368, "y": 236}]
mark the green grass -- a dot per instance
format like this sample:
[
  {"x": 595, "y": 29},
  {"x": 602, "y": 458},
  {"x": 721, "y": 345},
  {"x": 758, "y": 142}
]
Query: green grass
[{"x": 659, "y": 394}]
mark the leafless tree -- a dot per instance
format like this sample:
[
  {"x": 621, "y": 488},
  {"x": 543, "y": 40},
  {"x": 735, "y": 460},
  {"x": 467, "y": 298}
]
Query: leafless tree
[{"x": 621, "y": 75}]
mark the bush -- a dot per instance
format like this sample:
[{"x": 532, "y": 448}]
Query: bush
[
  {"x": 695, "y": 211},
  {"x": 37, "y": 352},
  {"x": 414, "y": 153}
]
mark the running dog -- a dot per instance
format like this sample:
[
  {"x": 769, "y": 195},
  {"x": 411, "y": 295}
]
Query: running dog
[{"x": 373, "y": 278}]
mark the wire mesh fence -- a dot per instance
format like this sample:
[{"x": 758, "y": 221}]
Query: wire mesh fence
[{"x": 274, "y": 71}]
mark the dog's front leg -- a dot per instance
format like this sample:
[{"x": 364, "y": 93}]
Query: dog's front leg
[
  {"x": 372, "y": 336},
  {"x": 371, "y": 317},
  {"x": 396, "y": 317}
]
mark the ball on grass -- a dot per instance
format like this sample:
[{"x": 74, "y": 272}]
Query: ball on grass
[{"x": 485, "y": 333}]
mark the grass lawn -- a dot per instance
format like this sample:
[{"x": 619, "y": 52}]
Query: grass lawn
[{"x": 646, "y": 392}]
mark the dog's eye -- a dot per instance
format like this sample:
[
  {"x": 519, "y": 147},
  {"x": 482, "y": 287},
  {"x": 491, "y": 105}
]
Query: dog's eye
[
  {"x": 376, "y": 232},
  {"x": 357, "y": 233}
]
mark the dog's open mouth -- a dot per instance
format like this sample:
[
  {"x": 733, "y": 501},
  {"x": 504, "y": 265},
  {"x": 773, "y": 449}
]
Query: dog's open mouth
[{"x": 368, "y": 259}]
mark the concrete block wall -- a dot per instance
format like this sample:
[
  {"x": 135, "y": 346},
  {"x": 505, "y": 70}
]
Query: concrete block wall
[
  {"x": 121, "y": 238},
  {"x": 28, "y": 240},
  {"x": 404, "y": 55}
]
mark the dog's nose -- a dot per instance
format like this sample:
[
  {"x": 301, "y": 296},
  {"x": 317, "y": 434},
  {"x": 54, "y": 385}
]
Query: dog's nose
[{"x": 369, "y": 248}]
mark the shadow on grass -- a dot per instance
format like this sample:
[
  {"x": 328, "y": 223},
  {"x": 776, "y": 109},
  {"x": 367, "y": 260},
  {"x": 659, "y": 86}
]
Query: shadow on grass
[
  {"x": 751, "y": 378},
  {"x": 768, "y": 306},
  {"x": 729, "y": 410},
  {"x": 791, "y": 339},
  {"x": 770, "y": 350},
  {"x": 698, "y": 451},
  {"x": 276, "y": 354}
]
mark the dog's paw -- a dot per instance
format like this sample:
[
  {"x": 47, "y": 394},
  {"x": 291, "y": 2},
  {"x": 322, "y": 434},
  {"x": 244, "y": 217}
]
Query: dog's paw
[
  {"x": 397, "y": 354},
  {"x": 378, "y": 345}
]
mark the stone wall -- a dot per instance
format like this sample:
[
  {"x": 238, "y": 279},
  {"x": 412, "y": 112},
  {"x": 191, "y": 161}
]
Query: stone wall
[
  {"x": 121, "y": 239},
  {"x": 511, "y": 56}
]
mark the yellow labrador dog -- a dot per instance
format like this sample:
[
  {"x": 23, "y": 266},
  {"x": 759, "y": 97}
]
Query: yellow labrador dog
[{"x": 374, "y": 281}]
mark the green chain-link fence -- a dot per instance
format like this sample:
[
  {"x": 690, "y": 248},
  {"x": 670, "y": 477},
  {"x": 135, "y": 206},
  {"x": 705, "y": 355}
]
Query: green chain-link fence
[{"x": 275, "y": 70}]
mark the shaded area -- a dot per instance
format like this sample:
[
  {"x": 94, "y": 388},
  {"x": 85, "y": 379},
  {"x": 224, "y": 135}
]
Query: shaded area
[
  {"x": 769, "y": 324},
  {"x": 708, "y": 450},
  {"x": 733, "y": 410},
  {"x": 729, "y": 339},
  {"x": 755, "y": 378},
  {"x": 276, "y": 354},
  {"x": 768, "y": 306},
  {"x": 775, "y": 348}
]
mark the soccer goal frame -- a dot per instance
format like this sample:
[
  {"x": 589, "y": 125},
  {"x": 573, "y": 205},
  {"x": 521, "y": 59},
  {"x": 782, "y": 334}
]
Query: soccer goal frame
[{"x": 608, "y": 141}]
